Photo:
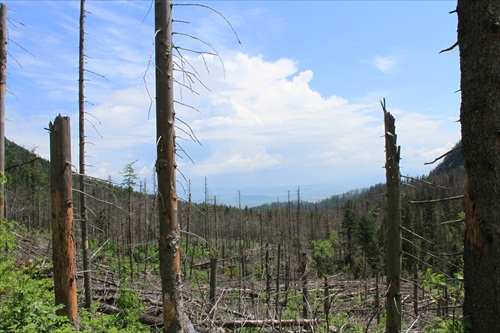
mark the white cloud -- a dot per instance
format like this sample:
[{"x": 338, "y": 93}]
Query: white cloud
[
  {"x": 245, "y": 160},
  {"x": 385, "y": 64},
  {"x": 261, "y": 116}
]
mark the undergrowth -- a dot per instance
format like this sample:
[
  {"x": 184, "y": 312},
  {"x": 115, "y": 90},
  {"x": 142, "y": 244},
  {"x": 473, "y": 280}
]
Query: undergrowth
[{"x": 27, "y": 297}]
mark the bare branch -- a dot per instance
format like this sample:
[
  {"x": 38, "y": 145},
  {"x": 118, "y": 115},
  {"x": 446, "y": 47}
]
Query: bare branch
[
  {"x": 210, "y": 8},
  {"x": 417, "y": 235},
  {"x": 450, "y": 48},
  {"x": 205, "y": 43},
  {"x": 95, "y": 128},
  {"x": 24, "y": 163},
  {"x": 445, "y": 154},
  {"x": 97, "y": 74},
  {"x": 426, "y": 182},
  {"x": 185, "y": 153},
  {"x": 99, "y": 200},
  {"x": 193, "y": 136},
  {"x": 186, "y": 105},
  {"x": 436, "y": 200},
  {"x": 453, "y": 221}
]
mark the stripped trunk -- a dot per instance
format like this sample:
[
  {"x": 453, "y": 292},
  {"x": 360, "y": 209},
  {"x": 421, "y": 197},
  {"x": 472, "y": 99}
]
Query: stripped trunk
[
  {"x": 81, "y": 124},
  {"x": 393, "y": 296},
  {"x": 213, "y": 286},
  {"x": 305, "y": 294},
  {"x": 63, "y": 249},
  {"x": 277, "y": 314},
  {"x": 169, "y": 240}
]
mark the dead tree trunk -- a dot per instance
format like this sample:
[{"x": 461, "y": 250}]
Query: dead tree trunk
[
  {"x": 3, "y": 84},
  {"x": 268, "y": 282},
  {"x": 63, "y": 250},
  {"x": 478, "y": 39},
  {"x": 326, "y": 301},
  {"x": 393, "y": 297},
  {"x": 305, "y": 296},
  {"x": 188, "y": 223},
  {"x": 81, "y": 125},
  {"x": 277, "y": 314},
  {"x": 169, "y": 240},
  {"x": 213, "y": 286}
]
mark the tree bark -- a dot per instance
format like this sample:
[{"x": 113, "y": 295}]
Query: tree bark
[
  {"x": 479, "y": 43},
  {"x": 393, "y": 179},
  {"x": 63, "y": 251},
  {"x": 169, "y": 240}
]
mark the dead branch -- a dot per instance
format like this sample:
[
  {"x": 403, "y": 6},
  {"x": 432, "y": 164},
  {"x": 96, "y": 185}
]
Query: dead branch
[
  {"x": 444, "y": 155},
  {"x": 426, "y": 182},
  {"x": 268, "y": 322},
  {"x": 450, "y": 48},
  {"x": 436, "y": 200},
  {"x": 24, "y": 163}
]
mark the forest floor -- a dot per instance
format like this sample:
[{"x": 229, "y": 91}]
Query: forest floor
[{"x": 334, "y": 304}]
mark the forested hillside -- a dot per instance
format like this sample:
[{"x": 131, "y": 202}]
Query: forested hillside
[{"x": 291, "y": 263}]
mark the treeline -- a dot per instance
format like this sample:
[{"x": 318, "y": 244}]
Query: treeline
[{"x": 343, "y": 232}]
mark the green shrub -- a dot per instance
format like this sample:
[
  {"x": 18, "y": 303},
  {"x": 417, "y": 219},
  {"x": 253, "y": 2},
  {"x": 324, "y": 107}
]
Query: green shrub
[
  {"x": 7, "y": 237},
  {"x": 323, "y": 254},
  {"x": 27, "y": 304}
]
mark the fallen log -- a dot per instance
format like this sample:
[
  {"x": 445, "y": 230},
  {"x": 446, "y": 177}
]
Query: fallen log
[{"x": 266, "y": 322}]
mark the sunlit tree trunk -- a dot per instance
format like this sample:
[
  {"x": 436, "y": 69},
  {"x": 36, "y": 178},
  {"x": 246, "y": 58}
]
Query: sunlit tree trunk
[
  {"x": 63, "y": 249},
  {"x": 169, "y": 240}
]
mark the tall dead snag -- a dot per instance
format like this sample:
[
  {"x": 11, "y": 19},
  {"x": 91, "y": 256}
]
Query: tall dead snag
[
  {"x": 479, "y": 43},
  {"x": 393, "y": 179},
  {"x": 213, "y": 286},
  {"x": 305, "y": 293},
  {"x": 3, "y": 83},
  {"x": 169, "y": 242},
  {"x": 83, "y": 206},
  {"x": 63, "y": 250}
]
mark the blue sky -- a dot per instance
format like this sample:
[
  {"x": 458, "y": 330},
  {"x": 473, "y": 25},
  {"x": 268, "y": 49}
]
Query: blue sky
[{"x": 296, "y": 104}]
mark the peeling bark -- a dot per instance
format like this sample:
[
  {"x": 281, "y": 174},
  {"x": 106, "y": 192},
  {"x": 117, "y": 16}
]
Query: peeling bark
[{"x": 63, "y": 249}]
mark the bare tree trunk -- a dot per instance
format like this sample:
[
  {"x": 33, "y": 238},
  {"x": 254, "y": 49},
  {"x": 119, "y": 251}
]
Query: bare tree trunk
[
  {"x": 213, "y": 286},
  {"x": 216, "y": 235},
  {"x": 415, "y": 288},
  {"x": 377, "y": 297},
  {"x": 326, "y": 301},
  {"x": 188, "y": 226},
  {"x": 82, "y": 200},
  {"x": 169, "y": 240},
  {"x": 287, "y": 281},
  {"x": 305, "y": 296},
  {"x": 130, "y": 236},
  {"x": 3, "y": 84},
  {"x": 63, "y": 249},
  {"x": 393, "y": 178},
  {"x": 268, "y": 283},
  {"x": 277, "y": 313}
]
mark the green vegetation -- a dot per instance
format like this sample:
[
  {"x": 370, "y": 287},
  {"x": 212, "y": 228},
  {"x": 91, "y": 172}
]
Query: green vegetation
[
  {"x": 323, "y": 253},
  {"x": 27, "y": 299}
]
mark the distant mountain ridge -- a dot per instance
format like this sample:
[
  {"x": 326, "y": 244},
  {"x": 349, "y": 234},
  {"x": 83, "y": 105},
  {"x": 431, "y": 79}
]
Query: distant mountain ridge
[{"x": 18, "y": 157}]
